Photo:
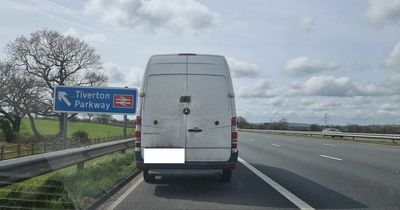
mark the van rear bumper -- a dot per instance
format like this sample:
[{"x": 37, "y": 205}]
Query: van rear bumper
[{"x": 230, "y": 164}]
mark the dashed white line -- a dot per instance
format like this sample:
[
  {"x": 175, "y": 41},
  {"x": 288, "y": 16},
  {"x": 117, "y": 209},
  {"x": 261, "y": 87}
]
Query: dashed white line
[
  {"x": 330, "y": 157},
  {"x": 123, "y": 196},
  {"x": 290, "y": 196},
  {"x": 276, "y": 145},
  {"x": 332, "y": 145}
]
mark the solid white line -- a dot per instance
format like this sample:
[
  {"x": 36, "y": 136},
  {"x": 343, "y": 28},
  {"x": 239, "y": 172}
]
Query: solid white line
[
  {"x": 123, "y": 196},
  {"x": 332, "y": 145},
  {"x": 330, "y": 157},
  {"x": 276, "y": 145},
  {"x": 290, "y": 196}
]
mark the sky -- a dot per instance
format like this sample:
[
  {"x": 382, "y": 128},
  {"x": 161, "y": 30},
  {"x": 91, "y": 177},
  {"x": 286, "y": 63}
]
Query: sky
[{"x": 290, "y": 59}]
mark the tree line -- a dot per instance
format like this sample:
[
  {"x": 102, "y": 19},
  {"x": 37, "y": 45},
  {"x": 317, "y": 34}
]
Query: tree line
[
  {"x": 352, "y": 128},
  {"x": 33, "y": 66}
]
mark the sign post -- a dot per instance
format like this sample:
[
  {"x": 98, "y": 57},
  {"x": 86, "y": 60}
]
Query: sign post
[
  {"x": 65, "y": 127},
  {"x": 125, "y": 126}
]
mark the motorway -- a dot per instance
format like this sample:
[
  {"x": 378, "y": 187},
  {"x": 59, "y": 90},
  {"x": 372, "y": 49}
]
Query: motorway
[{"x": 325, "y": 174}]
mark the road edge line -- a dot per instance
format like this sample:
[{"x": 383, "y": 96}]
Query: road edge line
[
  {"x": 283, "y": 191},
  {"x": 126, "y": 193}
]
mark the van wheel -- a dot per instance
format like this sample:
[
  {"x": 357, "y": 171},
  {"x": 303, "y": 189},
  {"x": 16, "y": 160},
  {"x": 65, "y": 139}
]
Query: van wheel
[
  {"x": 147, "y": 177},
  {"x": 226, "y": 175}
]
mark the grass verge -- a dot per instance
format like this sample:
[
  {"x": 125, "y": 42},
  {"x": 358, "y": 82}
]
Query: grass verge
[{"x": 69, "y": 188}]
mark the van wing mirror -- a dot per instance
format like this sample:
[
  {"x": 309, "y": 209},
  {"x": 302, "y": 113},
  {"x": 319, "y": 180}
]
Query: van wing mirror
[{"x": 185, "y": 99}]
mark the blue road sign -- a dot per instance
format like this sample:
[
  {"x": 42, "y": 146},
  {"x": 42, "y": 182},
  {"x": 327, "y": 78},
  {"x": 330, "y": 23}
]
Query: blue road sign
[{"x": 95, "y": 100}]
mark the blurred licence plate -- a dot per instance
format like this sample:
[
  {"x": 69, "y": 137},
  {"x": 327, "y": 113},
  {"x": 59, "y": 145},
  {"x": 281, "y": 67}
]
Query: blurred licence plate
[{"x": 163, "y": 155}]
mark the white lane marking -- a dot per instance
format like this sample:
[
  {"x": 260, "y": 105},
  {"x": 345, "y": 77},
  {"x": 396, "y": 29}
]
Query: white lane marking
[
  {"x": 330, "y": 157},
  {"x": 332, "y": 145},
  {"x": 123, "y": 196},
  {"x": 276, "y": 145},
  {"x": 290, "y": 196}
]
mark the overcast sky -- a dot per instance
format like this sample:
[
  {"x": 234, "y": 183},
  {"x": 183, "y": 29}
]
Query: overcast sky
[{"x": 289, "y": 59}]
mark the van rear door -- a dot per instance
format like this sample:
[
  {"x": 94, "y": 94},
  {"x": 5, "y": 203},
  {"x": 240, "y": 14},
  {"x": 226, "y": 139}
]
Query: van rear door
[
  {"x": 208, "y": 124},
  {"x": 163, "y": 124}
]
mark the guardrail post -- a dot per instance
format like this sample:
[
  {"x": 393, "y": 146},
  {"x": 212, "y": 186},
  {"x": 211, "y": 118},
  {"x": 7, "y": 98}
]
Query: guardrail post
[
  {"x": 33, "y": 149},
  {"x": 123, "y": 150},
  {"x": 80, "y": 165},
  {"x": 354, "y": 138},
  {"x": 2, "y": 153},
  {"x": 393, "y": 141},
  {"x": 19, "y": 150}
]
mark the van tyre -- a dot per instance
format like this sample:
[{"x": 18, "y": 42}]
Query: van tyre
[
  {"x": 147, "y": 177},
  {"x": 226, "y": 175}
]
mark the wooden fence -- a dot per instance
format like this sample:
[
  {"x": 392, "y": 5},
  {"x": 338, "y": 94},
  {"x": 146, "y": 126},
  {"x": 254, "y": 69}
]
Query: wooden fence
[{"x": 21, "y": 150}]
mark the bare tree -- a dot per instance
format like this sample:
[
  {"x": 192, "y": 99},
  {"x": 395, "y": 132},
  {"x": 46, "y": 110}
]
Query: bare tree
[
  {"x": 20, "y": 95},
  {"x": 57, "y": 59},
  {"x": 104, "y": 118}
]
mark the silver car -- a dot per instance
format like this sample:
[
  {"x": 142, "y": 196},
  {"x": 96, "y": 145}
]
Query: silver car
[{"x": 332, "y": 132}]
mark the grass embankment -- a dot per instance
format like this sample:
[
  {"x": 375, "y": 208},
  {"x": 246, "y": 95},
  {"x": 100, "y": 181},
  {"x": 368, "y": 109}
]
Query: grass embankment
[
  {"x": 50, "y": 128},
  {"x": 95, "y": 130},
  {"x": 69, "y": 188}
]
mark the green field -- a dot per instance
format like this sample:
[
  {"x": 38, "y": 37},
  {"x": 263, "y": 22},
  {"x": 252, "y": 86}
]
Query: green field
[{"x": 95, "y": 130}]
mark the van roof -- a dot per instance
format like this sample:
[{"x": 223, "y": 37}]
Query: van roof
[
  {"x": 186, "y": 54},
  {"x": 187, "y": 58}
]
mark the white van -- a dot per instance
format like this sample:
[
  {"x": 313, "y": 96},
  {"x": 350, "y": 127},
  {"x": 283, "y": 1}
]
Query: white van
[{"x": 187, "y": 118}]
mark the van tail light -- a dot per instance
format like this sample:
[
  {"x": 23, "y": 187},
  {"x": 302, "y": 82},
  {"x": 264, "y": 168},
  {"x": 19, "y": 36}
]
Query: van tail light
[
  {"x": 138, "y": 133},
  {"x": 234, "y": 134}
]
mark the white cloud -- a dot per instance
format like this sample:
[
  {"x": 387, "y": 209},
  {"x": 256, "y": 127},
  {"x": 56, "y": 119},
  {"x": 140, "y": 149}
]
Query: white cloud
[
  {"x": 393, "y": 61},
  {"x": 304, "y": 66},
  {"x": 390, "y": 107},
  {"x": 71, "y": 32},
  {"x": 395, "y": 98},
  {"x": 260, "y": 89},
  {"x": 307, "y": 24},
  {"x": 99, "y": 39},
  {"x": 120, "y": 77},
  {"x": 339, "y": 87},
  {"x": 324, "y": 105},
  {"x": 176, "y": 15},
  {"x": 242, "y": 69},
  {"x": 277, "y": 101},
  {"x": 136, "y": 77},
  {"x": 383, "y": 11},
  {"x": 95, "y": 39}
]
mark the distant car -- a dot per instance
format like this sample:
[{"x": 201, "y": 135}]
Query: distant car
[{"x": 332, "y": 132}]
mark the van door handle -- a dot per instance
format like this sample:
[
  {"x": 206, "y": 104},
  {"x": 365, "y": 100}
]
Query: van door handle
[{"x": 195, "y": 129}]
